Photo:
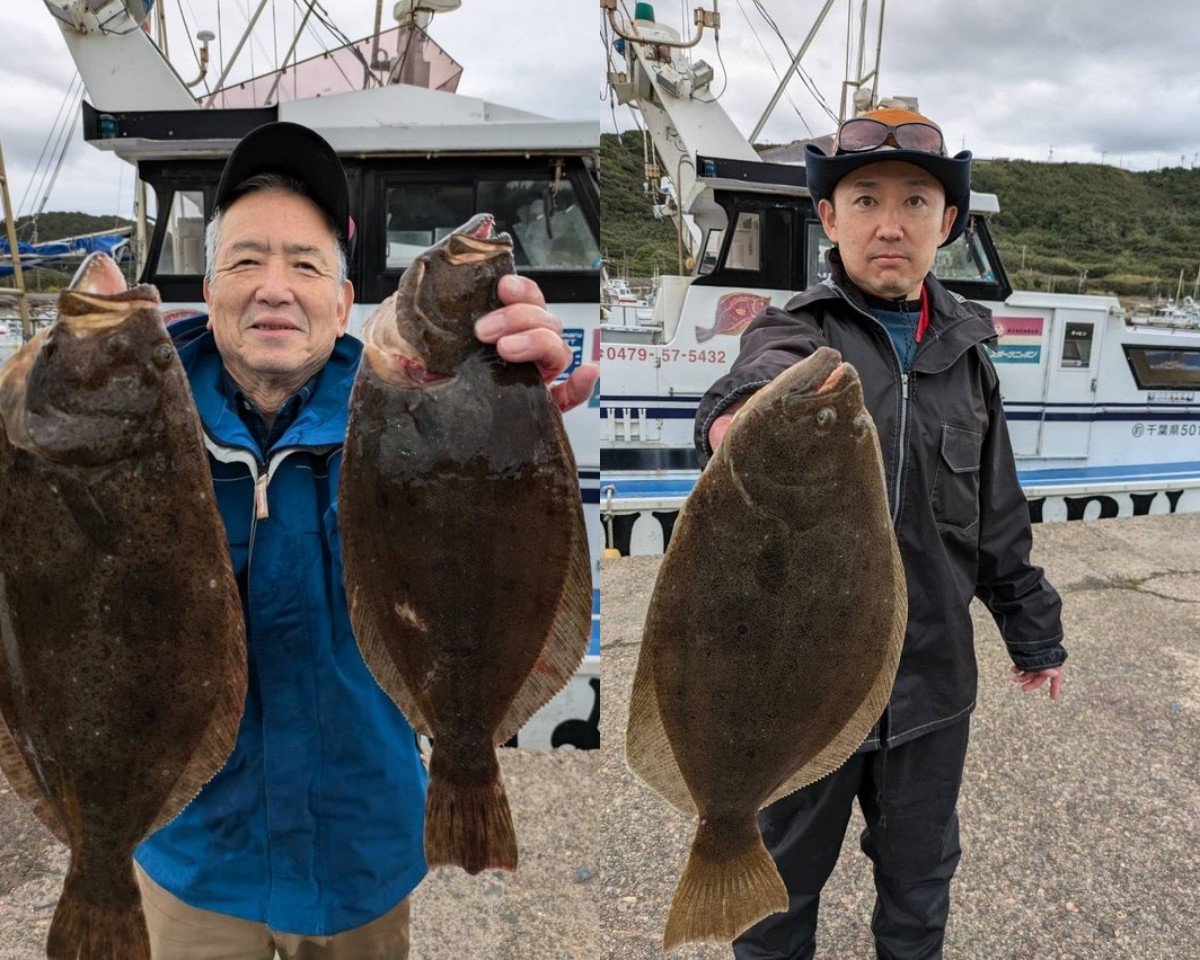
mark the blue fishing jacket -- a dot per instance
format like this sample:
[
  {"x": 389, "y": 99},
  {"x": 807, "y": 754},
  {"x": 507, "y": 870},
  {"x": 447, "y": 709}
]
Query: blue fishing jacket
[{"x": 315, "y": 824}]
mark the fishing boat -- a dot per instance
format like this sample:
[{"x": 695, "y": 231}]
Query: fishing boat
[
  {"x": 420, "y": 159},
  {"x": 1101, "y": 404}
]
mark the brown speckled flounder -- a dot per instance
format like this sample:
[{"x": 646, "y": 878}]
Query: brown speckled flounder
[
  {"x": 773, "y": 634},
  {"x": 123, "y": 657},
  {"x": 462, "y": 530}
]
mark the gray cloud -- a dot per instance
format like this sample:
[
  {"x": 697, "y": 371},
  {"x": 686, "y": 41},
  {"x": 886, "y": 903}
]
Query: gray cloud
[{"x": 1089, "y": 79}]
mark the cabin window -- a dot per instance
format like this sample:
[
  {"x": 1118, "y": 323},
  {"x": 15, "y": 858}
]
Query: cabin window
[
  {"x": 745, "y": 247},
  {"x": 965, "y": 259},
  {"x": 548, "y": 227},
  {"x": 1077, "y": 345},
  {"x": 183, "y": 244},
  {"x": 1164, "y": 368},
  {"x": 818, "y": 247},
  {"x": 421, "y": 214},
  {"x": 712, "y": 252}
]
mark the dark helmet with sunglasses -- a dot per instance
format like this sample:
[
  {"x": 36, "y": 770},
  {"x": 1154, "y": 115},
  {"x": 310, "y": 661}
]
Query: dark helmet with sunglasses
[{"x": 891, "y": 133}]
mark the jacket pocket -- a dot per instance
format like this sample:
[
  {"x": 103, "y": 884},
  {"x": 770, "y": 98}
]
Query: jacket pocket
[{"x": 956, "y": 484}]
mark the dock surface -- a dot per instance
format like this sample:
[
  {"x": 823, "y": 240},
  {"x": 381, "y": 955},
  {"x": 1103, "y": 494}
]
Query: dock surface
[{"x": 1078, "y": 817}]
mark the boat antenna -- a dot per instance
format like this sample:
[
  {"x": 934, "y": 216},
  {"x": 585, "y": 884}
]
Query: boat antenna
[
  {"x": 205, "y": 37},
  {"x": 378, "y": 62}
]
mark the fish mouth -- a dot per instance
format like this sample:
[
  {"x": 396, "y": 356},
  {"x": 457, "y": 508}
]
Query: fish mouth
[
  {"x": 834, "y": 378},
  {"x": 97, "y": 299},
  {"x": 477, "y": 241},
  {"x": 824, "y": 372}
]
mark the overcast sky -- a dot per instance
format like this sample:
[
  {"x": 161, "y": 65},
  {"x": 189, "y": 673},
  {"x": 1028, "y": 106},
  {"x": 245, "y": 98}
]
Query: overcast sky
[
  {"x": 1091, "y": 79},
  {"x": 540, "y": 55}
]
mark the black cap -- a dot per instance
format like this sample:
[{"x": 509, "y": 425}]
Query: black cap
[{"x": 293, "y": 151}]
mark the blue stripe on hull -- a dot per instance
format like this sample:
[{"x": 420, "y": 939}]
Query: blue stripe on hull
[
  {"x": 683, "y": 413},
  {"x": 678, "y": 487}
]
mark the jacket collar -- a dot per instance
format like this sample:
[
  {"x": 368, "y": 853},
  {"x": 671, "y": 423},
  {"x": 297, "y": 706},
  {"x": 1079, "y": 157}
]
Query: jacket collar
[
  {"x": 320, "y": 423},
  {"x": 955, "y": 324}
]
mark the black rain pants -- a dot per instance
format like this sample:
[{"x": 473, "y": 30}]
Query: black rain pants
[{"x": 908, "y": 796}]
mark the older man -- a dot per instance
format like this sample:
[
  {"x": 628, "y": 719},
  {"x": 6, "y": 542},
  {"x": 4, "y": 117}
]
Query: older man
[
  {"x": 888, "y": 197},
  {"x": 309, "y": 840}
]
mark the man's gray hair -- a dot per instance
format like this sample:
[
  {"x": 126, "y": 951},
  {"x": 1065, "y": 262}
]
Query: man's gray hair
[{"x": 267, "y": 181}]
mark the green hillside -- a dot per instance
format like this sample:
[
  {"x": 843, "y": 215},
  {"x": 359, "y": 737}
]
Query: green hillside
[
  {"x": 630, "y": 238},
  {"x": 1131, "y": 232},
  {"x": 54, "y": 226}
]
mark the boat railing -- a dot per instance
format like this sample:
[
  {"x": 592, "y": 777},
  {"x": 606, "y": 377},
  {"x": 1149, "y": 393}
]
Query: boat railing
[{"x": 405, "y": 54}]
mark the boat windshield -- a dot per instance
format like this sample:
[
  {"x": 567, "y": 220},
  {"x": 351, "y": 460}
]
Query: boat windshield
[
  {"x": 966, "y": 259},
  {"x": 549, "y": 229}
]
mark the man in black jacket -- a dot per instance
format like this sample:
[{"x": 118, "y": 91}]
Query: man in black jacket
[{"x": 888, "y": 197}]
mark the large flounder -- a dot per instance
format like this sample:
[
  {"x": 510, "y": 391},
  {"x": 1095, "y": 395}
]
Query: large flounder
[
  {"x": 123, "y": 661},
  {"x": 465, "y": 551},
  {"x": 773, "y": 634}
]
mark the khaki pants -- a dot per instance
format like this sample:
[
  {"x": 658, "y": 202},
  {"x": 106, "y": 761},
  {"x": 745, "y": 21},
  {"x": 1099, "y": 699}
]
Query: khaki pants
[{"x": 179, "y": 931}]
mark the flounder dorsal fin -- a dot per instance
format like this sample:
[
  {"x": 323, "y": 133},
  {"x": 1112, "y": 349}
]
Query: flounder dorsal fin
[
  {"x": 378, "y": 658},
  {"x": 26, "y": 786},
  {"x": 851, "y": 736},
  {"x": 567, "y": 641}
]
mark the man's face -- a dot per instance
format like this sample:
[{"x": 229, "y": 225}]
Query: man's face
[
  {"x": 275, "y": 306},
  {"x": 888, "y": 219}
]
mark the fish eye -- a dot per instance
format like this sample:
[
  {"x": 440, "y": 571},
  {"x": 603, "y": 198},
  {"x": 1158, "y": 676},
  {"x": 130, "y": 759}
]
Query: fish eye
[
  {"x": 826, "y": 416},
  {"x": 862, "y": 423},
  {"x": 162, "y": 355}
]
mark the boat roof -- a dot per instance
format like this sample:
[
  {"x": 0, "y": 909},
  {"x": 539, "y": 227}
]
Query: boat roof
[
  {"x": 1070, "y": 301},
  {"x": 393, "y": 120}
]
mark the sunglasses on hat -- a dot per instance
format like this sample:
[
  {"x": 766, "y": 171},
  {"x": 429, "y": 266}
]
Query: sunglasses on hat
[{"x": 862, "y": 134}]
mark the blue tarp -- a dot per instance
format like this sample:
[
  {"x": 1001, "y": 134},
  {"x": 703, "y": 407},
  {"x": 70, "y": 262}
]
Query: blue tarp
[{"x": 65, "y": 252}]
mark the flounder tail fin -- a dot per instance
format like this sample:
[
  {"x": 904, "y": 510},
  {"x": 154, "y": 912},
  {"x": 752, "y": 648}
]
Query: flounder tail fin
[
  {"x": 729, "y": 883},
  {"x": 115, "y": 930},
  {"x": 704, "y": 334},
  {"x": 468, "y": 823}
]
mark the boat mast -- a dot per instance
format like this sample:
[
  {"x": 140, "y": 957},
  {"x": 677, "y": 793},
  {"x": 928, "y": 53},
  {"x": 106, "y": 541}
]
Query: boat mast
[
  {"x": 762, "y": 121},
  {"x": 856, "y": 101},
  {"x": 237, "y": 50}
]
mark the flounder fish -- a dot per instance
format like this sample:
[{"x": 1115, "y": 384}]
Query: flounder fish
[
  {"x": 466, "y": 557},
  {"x": 123, "y": 661},
  {"x": 772, "y": 637}
]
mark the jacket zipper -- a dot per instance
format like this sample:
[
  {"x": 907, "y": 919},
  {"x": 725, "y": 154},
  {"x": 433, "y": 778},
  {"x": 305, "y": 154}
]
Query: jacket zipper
[{"x": 902, "y": 444}]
